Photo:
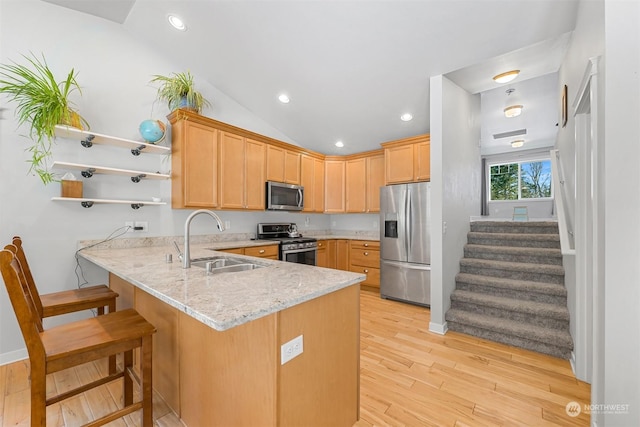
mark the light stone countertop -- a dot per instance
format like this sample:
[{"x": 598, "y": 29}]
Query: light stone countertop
[{"x": 221, "y": 301}]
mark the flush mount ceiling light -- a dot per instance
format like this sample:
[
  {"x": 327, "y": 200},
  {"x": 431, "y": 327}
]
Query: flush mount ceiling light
[
  {"x": 406, "y": 117},
  {"x": 506, "y": 77},
  {"x": 517, "y": 143},
  {"x": 513, "y": 111},
  {"x": 284, "y": 98},
  {"x": 339, "y": 144},
  {"x": 176, "y": 22}
]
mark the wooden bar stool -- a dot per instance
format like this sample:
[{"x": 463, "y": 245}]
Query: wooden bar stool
[
  {"x": 56, "y": 303},
  {"x": 64, "y": 302},
  {"x": 76, "y": 343}
]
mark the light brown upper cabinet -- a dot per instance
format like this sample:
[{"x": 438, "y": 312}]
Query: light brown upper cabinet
[
  {"x": 375, "y": 168},
  {"x": 423, "y": 161},
  {"x": 334, "y": 201},
  {"x": 275, "y": 163},
  {"x": 312, "y": 179},
  {"x": 291, "y": 167},
  {"x": 194, "y": 163},
  {"x": 242, "y": 164},
  {"x": 356, "y": 185},
  {"x": 283, "y": 165},
  {"x": 407, "y": 160},
  {"x": 364, "y": 176}
]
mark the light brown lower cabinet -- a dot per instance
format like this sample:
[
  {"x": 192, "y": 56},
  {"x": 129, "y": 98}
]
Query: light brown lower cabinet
[
  {"x": 234, "y": 377},
  {"x": 321, "y": 254},
  {"x": 342, "y": 254},
  {"x": 364, "y": 257},
  {"x": 269, "y": 251}
]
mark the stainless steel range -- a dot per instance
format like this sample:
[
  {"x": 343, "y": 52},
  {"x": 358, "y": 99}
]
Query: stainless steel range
[{"x": 293, "y": 247}]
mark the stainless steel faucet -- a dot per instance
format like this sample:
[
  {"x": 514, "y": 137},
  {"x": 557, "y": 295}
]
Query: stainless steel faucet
[{"x": 186, "y": 256}]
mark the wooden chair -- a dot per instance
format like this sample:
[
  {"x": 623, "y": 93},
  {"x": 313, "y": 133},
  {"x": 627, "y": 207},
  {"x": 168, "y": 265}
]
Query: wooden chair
[
  {"x": 79, "y": 342},
  {"x": 56, "y": 303},
  {"x": 64, "y": 302}
]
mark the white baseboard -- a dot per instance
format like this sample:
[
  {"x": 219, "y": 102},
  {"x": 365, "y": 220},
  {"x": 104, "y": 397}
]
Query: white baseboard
[
  {"x": 438, "y": 328},
  {"x": 13, "y": 356},
  {"x": 572, "y": 362}
]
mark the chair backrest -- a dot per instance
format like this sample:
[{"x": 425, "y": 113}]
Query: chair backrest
[
  {"x": 22, "y": 259},
  {"x": 23, "y": 306}
]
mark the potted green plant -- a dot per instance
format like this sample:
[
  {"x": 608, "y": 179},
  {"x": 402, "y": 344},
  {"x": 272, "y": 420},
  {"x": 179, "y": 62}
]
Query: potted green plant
[
  {"x": 178, "y": 91},
  {"x": 43, "y": 102}
]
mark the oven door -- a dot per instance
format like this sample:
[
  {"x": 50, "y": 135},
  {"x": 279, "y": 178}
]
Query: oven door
[{"x": 300, "y": 256}]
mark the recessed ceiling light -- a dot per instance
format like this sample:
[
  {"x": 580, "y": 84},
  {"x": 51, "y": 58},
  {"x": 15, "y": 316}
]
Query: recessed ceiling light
[
  {"x": 506, "y": 77},
  {"x": 517, "y": 143},
  {"x": 284, "y": 98},
  {"x": 177, "y": 23},
  {"x": 513, "y": 111},
  {"x": 406, "y": 117},
  {"x": 339, "y": 144}
]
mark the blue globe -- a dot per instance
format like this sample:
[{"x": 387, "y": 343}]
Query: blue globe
[{"x": 152, "y": 130}]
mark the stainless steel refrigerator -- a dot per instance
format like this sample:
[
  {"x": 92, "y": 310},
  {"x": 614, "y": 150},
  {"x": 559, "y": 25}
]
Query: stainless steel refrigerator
[{"x": 405, "y": 242}]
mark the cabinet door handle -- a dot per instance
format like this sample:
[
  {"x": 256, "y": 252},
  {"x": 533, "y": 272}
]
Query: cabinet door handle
[
  {"x": 366, "y": 271},
  {"x": 366, "y": 245},
  {"x": 319, "y": 244},
  {"x": 366, "y": 254},
  {"x": 261, "y": 251}
]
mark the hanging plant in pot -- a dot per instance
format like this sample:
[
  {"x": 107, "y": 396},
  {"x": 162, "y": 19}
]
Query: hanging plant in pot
[
  {"x": 179, "y": 92},
  {"x": 42, "y": 102}
]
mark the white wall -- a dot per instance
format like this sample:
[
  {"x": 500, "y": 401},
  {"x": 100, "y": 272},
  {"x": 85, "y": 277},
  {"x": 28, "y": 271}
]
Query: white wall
[
  {"x": 455, "y": 186},
  {"x": 587, "y": 41},
  {"x": 620, "y": 291},
  {"x": 114, "y": 71}
]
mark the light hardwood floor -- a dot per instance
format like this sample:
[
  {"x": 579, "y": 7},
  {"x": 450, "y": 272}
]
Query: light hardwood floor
[{"x": 408, "y": 377}]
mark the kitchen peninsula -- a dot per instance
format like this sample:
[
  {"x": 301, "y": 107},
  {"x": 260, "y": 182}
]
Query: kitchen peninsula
[{"x": 217, "y": 353}]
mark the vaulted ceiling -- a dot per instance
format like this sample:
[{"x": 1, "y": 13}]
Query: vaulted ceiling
[{"x": 351, "y": 68}]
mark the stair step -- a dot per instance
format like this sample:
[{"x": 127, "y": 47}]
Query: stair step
[
  {"x": 530, "y": 312},
  {"x": 551, "y": 293},
  {"x": 513, "y": 270},
  {"x": 514, "y": 254},
  {"x": 528, "y": 227},
  {"x": 554, "y": 342},
  {"x": 514, "y": 239}
]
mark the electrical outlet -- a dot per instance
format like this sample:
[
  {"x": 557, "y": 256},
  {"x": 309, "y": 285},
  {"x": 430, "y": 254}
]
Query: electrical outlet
[
  {"x": 291, "y": 349},
  {"x": 141, "y": 226},
  {"x": 129, "y": 224},
  {"x": 227, "y": 225}
]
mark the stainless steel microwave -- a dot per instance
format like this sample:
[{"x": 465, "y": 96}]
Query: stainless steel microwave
[{"x": 284, "y": 197}]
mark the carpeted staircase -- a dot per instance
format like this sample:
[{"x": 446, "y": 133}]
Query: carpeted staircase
[{"x": 510, "y": 288}]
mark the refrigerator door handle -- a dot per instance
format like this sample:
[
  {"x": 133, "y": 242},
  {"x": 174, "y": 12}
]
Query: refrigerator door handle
[
  {"x": 409, "y": 222},
  {"x": 407, "y": 265}
]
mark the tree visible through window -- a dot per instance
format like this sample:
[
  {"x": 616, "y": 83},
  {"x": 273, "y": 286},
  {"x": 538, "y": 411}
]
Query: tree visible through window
[{"x": 526, "y": 180}]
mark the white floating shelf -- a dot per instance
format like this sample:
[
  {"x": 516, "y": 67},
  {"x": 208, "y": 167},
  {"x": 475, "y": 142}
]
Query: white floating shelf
[
  {"x": 87, "y": 203},
  {"x": 89, "y": 170},
  {"x": 88, "y": 138}
]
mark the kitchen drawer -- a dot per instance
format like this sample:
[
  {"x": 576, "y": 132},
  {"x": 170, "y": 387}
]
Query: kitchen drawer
[
  {"x": 270, "y": 251},
  {"x": 365, "y": 244},
  {"x": 239, "y": 251},
  {"x": 365, "y": 257},
  {"x": 373, "y": 275}
]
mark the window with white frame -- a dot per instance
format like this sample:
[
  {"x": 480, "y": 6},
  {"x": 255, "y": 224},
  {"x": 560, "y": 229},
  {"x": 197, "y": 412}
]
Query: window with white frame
[{"x": 520, "y": 180}]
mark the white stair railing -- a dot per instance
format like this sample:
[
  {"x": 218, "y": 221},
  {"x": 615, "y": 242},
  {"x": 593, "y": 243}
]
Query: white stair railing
[{"x": 565, "y": 224}]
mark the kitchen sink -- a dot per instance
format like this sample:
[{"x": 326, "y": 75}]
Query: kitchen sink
[
  {"x": 216, "y": 261},
  {"x": 224, "y": 264},
  {"x": 233, "y": 268}
]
